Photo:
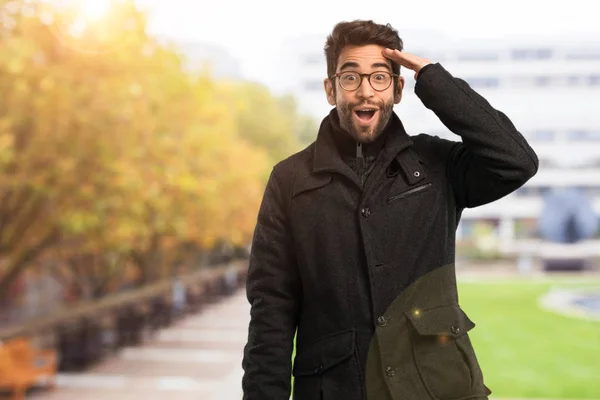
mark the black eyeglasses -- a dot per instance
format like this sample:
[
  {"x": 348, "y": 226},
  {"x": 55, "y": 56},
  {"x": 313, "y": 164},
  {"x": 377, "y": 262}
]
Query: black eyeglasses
[{"x": 351, "y": 81}]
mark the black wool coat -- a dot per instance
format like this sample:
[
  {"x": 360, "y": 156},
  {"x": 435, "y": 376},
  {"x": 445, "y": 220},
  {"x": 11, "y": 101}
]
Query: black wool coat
[{"x": 365, "y": 274}]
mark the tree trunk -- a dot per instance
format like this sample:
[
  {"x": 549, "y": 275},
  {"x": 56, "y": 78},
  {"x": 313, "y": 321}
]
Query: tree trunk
[{"x": 147, "y": 261}]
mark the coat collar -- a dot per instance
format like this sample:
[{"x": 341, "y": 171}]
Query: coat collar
[{"x": 327, "y": 156}]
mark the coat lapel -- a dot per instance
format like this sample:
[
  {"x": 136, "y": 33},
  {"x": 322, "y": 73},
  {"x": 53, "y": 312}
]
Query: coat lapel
[{"x": 326, "y": 157}]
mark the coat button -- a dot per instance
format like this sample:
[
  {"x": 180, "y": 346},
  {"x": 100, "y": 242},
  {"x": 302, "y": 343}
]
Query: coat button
[
  {"x": 381, "y": 321},
  {"x": 389, "y": 371},
  {"x": 455, "y": 329},
  {"x": 365, "y": 212}
]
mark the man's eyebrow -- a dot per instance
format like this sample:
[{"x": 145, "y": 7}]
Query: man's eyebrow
[
  {"x": 349, "y": 64},
  {"x": 352, "y": 64},
  {"x": 381, "y": 65}
]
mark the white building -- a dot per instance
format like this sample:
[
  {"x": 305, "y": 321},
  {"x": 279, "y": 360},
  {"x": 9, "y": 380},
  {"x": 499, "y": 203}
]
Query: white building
[
  {"x": 201, "y": 55},
  {"x": 549, "y": 87}
]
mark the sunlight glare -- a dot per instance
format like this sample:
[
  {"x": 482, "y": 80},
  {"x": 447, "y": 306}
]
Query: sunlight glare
[{"x": 94, "y": 10}]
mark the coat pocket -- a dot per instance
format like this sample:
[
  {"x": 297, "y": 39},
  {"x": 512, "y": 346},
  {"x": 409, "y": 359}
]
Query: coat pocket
[
  {"x": 327, "y": 369},
  {"x": 409, "y": 192},
  {"x": 444, "y": 356}
]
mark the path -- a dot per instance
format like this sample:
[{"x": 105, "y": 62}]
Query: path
[{"x": 197, "y": 358}]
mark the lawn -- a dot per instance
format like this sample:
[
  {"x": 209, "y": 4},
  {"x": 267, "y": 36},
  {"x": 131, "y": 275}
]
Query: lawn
[{"x": 526, "y": 351}]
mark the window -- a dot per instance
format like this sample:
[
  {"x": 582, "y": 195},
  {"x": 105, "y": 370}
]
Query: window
[
  {"x": 545, "y": 81},
  {"x": 582, "y": 80},
  {"x": 574, "y": 80},
  {"x": 543, "y": 135},
  {"x": 594, "y": 135},
  {"x": 478, "y": 57},
  {"x": 584, "y": 135},
  {"x": 594, "y": 80},
  {"x": 578, "y": 135},
  {"x": 584, "y": 54},
  {"x": 483, "y": 82},
  {"x": 542, "y": 81},
  {"x": 531, "y": 54}
]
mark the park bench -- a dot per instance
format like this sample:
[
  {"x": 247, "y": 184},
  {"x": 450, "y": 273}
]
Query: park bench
[{"x": 22, "y": 366}]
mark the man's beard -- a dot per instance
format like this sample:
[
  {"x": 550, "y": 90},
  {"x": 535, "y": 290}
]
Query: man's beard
[{"x": 365, "y": 134}]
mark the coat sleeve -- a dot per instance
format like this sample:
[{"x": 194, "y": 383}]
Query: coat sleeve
[
  {"x": 273, "y": 290},
  {"x": 493, "y": 159}
]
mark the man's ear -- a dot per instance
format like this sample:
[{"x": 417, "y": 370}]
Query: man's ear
[
  {"x": 329, "y": 92},
  {"x": 398, "y": 90}
]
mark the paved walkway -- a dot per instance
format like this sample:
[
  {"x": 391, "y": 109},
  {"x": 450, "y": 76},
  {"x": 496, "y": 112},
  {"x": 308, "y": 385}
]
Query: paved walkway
[{"x": 197, "y": 358}]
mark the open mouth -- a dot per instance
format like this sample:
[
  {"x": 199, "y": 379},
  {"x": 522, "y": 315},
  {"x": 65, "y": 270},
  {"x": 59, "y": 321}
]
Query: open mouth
[{"x": 365, "y": 115}]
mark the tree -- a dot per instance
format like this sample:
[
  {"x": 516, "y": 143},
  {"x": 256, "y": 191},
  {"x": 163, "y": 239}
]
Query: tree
[
  {"x": 111, "y": 151},
  {"x": 264, "y": 120}
]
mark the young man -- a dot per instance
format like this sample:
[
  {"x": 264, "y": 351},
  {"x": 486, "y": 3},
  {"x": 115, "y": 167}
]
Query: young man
[{"x": 355, "y": 239}]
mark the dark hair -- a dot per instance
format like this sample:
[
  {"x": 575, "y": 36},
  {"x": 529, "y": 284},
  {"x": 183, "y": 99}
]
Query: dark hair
[{"x": 360, "y": 33}]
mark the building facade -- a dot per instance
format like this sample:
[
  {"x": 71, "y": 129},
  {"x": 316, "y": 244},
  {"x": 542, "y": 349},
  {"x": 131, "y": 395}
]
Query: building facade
[{"x": 219, "y": 62}]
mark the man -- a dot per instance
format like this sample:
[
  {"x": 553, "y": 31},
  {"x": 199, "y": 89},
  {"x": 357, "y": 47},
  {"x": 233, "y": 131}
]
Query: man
[{"x": 355, "y": 239}]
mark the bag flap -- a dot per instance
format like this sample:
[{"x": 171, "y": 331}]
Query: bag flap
[{"x": 448, "y": 320}]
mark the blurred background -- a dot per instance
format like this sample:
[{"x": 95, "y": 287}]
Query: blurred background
[{"x": 136, "y": 137}]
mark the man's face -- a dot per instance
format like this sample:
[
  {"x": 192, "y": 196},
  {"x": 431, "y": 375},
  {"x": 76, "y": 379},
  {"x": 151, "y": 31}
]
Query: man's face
[{"x": 364, "y": 126}]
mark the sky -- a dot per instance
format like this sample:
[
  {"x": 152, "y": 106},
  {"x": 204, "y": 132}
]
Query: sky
[{"x": 254, "y": 31}]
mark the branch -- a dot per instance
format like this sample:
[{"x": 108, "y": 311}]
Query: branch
[
  {"x": 24, "y": 218},
  {"x": 5, "y": 214},
  {"x": 26, "y": 258}
]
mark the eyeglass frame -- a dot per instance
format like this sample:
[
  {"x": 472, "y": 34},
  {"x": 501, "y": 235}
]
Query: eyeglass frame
[{"x": 362, "y": 76}]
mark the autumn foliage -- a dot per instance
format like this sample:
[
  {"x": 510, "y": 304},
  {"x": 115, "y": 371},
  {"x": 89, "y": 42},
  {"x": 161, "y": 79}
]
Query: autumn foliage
[{"x": 112, "y": 150}]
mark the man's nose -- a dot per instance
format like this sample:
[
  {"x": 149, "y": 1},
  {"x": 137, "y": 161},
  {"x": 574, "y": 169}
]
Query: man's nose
[{"x": 365, "y": 90}]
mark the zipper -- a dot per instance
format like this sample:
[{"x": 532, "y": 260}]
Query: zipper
[
  {"x": 409, "y": 192},
  {"x": 361, "y": 162}
]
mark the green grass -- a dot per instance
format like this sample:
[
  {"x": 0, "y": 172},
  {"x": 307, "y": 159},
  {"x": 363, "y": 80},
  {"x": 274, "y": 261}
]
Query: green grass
[{"x": 526, "y": 351}]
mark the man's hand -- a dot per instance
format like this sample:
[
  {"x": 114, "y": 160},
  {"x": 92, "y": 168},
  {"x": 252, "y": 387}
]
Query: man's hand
[{"x": 407, "y": 60}]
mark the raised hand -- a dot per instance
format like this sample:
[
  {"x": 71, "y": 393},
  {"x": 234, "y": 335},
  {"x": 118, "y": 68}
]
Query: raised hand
[{"x": 407, "y": 60}]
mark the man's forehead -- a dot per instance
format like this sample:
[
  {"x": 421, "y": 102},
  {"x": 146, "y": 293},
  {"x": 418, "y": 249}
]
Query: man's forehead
[{"x": 362, "y": 56}]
